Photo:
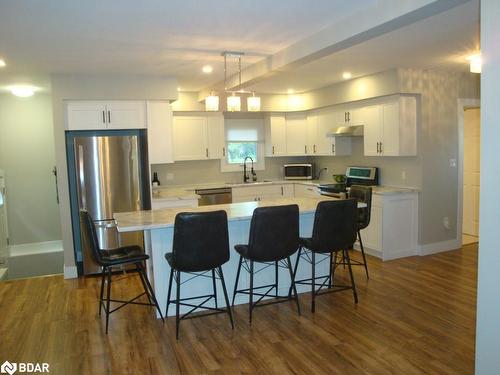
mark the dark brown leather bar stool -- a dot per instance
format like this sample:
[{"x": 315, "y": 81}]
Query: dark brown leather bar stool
[
  {"x": 334, "y": 231},
  {"x": 107, "y": 259},
  {"x": 362, "y": 194},
  {"x": 200, "y": 246},
  {"x": 274, "y": 237}
]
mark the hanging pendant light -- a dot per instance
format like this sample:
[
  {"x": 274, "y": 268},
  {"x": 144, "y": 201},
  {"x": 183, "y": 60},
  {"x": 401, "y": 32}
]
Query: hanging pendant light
[
  {"x": 212, "y": 102},
  {"x": 233, "y": 103},
  {"x": 253, "y": 103}
]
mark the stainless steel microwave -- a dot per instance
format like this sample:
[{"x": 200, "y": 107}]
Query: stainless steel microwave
[{"x": 299, "y": 171}]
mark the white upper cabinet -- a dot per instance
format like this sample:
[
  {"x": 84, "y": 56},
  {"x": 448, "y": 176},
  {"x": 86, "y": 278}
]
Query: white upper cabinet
[
  {"x": 275, "y": 134},
  {"x": 100, "y": 115},
  {"x": 390, "y": 128},
  {"x": 160, "y": 147},
  {"x": 326, "y": 144},
  {"x": 296, "y": 135},
  {"x": 198, "y": 137},
  {"x": 348, "y": 116}
]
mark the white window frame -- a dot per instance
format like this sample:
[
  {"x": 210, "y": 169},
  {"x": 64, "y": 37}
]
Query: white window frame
[{"x": 225, "y": 166}]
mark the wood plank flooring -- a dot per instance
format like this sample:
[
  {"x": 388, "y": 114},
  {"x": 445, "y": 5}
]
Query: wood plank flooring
[{"x": 415, "y": 316}]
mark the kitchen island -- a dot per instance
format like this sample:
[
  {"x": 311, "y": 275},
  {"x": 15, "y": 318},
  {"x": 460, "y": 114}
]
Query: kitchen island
[{"x": 158, "y": 227}]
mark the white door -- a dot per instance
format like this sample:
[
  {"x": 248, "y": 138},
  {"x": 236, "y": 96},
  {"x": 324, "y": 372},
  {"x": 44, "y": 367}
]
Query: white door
[
  {"x": 190, "y": 138},
  {"x": 471, "y": 172},
  {"x": 126, "y": 114},
  {"x": 390, "y": 129},
  {"x": 86, "y": 115},
  {"x": 296, "y": 135},
  {"x": 372, "y": 118},
  {"x": 325, "y": 124}
]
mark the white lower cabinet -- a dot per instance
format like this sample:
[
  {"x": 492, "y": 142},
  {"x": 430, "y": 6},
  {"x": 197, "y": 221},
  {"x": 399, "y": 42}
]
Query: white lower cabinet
[
  {"x": 393, "y": 228},
  {"x": 157, "y": 204},
  {"x": 262, "y": 192}
]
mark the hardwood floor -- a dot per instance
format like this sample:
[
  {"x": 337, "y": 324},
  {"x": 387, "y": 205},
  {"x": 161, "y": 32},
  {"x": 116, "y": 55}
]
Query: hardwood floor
[{"x": 415, "y": 316}]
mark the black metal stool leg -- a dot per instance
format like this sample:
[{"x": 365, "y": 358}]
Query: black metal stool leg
[
  {"x": 146, "y": 289},
  {"x": 169, "y": 290},
  {"x": 293, "y": 286},
  {"x": 108, "y": 297},
  {"x": 295, "y": 270},
  {"x": 237, "y": 279},
  {"x": 214, "y": 287},
  {"x": 103, "y": 277},
  {"x": 250, "y": 294},
  {"x": 151, "y": 291},
  {"x": 363, "y": 253},
  {"x": 330, "y": 273},
  {"x": 177, "y": 307},
  {"x": 313, "y": 281},
  {"x": 276, "y": 277},
  {"x": 353, "y": 286},
  {"x": 229, "y": 310}
]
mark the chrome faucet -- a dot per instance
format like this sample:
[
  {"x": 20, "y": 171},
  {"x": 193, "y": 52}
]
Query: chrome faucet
[{"x": 246, "y": 178}]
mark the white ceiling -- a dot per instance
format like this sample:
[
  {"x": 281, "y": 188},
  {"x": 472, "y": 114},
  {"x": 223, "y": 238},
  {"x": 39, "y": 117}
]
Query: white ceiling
[
  {"x": 440, "y": 41},
  {"x": 168, "y": 38}
]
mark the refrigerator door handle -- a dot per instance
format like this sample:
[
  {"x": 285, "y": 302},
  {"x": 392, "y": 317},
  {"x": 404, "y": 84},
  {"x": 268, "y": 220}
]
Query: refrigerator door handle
[{"x": 81, "y": 178}]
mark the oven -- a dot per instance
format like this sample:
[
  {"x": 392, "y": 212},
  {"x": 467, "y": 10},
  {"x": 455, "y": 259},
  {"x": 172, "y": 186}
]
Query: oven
[{"x": 354, "y": 176}]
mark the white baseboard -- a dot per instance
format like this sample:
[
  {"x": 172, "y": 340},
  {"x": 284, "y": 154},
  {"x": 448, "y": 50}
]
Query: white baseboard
[
  {"x": 439, "y": 247},
  {"x": 70, "y": 272}
]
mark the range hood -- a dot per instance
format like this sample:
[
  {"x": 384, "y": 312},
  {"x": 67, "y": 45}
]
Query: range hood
[{"x": 347, "y": 131}]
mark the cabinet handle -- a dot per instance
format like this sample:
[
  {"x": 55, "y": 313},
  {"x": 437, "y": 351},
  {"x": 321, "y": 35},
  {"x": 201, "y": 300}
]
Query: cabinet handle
[
  {"x": 348, "y": 116},
  {"x": 273, "y": 150},
  {"x": 333, "y": 149},
  {"x": 345, "y": 116},
  {"x": 380, "y": 147},
  {"x": 206, "y": 152},
  {"x": 377, "y": 148},
  {"x": 282, "y": 190},
  {"x": 305, "y": 149},
  {"x": 314, "y": 148},
  {"x": 109, "y": 117},
  {"x": 223, "y": 151},
  {"x": 103, "y": 117}
]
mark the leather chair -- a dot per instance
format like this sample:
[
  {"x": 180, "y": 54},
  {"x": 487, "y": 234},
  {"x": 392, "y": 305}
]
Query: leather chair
[
  {"x": 361, "y": 194},
  {"x": 334, "y": 231},
  {"x": 107, "y": 259},
  {"x": 274, "y": 237},
  {"x": 200, "y": 246}
]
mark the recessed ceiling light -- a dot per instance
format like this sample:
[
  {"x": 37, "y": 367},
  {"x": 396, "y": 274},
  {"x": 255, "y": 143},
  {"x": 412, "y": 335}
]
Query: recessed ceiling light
[
  {"x": 290, "y": 91},
  {"x": 2, "y": 63},
  {"x": 346, "y": 75},
  {"x": 207, "y": 69},
  {"x": 22, "y": 91}
]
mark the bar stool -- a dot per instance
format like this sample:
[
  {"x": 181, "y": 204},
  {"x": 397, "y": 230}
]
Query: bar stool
[
  {"x": 200, "y": 246},
  {"x": 334, "y": 231},
  {"x": 362, "y": 194},
  {"x": 274, "y": 236},
  {"x": 115, "y": 257}
]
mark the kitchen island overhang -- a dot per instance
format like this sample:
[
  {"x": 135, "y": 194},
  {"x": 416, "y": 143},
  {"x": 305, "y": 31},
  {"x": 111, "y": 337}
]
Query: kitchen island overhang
[{"x": 158, "y": 227}]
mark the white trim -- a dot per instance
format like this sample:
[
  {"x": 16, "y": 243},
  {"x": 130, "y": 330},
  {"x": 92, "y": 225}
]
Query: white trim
[
  {"x": 439, "y": 247},
  {"x": 70, "y": 272},
  {"x": 462, "y": 105}
]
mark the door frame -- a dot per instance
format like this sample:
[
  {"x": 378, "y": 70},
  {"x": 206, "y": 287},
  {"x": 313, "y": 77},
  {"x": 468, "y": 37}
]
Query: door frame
[{"x": 463, "y": 104}]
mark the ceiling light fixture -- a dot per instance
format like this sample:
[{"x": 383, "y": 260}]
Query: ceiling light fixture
[
  {"x": 2, "y": 63},
  {"x": 475, "y": 63},
  {"x": 347, "y": 75},
  {"x": 207, "y": 69},
  {"x": 233, "y": 102},
  {"x": 22, "y": 91}
]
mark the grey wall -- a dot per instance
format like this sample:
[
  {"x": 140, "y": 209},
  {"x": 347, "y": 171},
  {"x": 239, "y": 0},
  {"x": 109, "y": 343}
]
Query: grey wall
[
  {"x": 27, "y": 156},
  {"x": 94, "y": 87}
]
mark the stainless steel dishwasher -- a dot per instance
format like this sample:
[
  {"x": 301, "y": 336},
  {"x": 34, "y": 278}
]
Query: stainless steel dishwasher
[{"x": 214, "y": 196}]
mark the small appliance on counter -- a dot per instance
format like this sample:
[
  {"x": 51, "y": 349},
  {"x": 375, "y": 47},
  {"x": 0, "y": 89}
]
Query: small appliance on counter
[
  {"x": 298, "y": 171},
  {"x": 353, "y": 176}
]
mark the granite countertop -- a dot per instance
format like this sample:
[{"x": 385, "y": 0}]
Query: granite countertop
[{"x": 164, "y": 218}]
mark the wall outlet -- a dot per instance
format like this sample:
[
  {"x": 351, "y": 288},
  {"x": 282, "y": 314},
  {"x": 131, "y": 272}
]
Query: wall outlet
[
  {"x": 170, "y": 176},
  {"x": 446, "y": 222}
]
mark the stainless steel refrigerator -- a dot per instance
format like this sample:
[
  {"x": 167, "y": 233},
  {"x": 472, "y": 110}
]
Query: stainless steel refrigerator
[{"x": 108, "y": 180}]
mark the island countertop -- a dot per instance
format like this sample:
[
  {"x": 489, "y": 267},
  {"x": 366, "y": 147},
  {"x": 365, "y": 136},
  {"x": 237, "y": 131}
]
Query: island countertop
[{"x": 164, "y": 218}]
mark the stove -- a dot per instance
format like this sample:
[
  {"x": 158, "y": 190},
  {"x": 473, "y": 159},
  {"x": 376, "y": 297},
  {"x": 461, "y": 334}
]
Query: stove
[{"x": 354, "y": 176}]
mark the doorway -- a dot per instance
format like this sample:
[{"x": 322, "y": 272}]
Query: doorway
[{"x": 471, "y": 175}]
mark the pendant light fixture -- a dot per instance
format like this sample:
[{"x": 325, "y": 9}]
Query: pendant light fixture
[{"x": 233, "y": 101}]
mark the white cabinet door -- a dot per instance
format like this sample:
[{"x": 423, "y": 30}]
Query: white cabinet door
[
  {"x": 126, "y": 115},
  {"x": 390, "y": 129},
  {"x": 296, "y": 135},
  {"x": 190, "y": 138},
  {"x": 216, "y": 143},
  {"x": 276, "y": 136},
  {"x": 372, "y": 235},
  {"x": 355, "y": 116},
  {"x": 86, "y": 115},
  {"x": 325, "y": 124},
  {"x": 312, "y": 129},
  {"x": 160, "y": 148},
  {"x": 372, "y": 118}
]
